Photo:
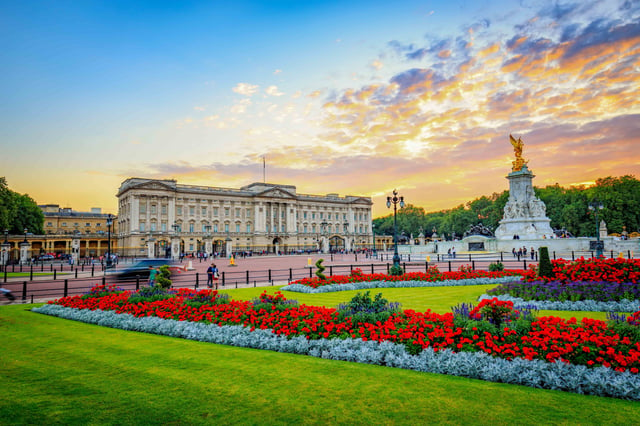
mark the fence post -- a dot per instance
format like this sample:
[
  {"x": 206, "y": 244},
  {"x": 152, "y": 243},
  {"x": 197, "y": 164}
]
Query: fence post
[
  {"x": 387, "y": 267},
  {"x": 104, "y": 280},
  {"x": 310, "y": 273},
  {"x": 197, "y": 279},
  {"x": 137, "y": 282},
  {"x": 290, "y": 275},
  {"x": 525, "y": 264},
  {"x": 469, "y": 257},
  {"x": 24, "y": 291},
  {"x": 66, "y": 287},
  {"x": 554, "y": 255},
  {"x": 269, "y": 275},
  {"x": 76, "y": 272},
  {"x": 628, "y": 254},
  {"x": 612, "y": 254},
  {"x": 92, "y": 270},
  {"x": 449, "y": 262},
  {"x": 331, "y": 270},
  {"x": 473, "y": 265},
  {"x": 404, "y": 267},
  {"x": 501, "y": 258},
  {"x": 223, "y": 282},
  {"x": 31, "y": 274},
  {"x": 247, "y": 278},
  {"x": 54, "y": 273}
]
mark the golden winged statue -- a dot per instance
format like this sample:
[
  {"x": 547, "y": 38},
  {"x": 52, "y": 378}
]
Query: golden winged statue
[{"x": 517, "y": 149}]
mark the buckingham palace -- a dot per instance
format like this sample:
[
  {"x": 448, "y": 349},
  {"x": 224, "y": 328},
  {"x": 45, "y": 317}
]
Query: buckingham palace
[{"x": 159, "y": 218}]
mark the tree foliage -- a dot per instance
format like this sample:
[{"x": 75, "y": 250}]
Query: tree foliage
[
  {"x": 568, "y": 208},
  {"x": 19, "y": 211}
]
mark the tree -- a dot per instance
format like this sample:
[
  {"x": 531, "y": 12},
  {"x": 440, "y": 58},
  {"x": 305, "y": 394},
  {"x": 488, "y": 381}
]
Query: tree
[{"x": 19, "y": 211}]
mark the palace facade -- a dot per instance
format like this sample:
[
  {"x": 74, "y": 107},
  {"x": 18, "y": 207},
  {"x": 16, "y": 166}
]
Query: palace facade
[{"x": 154, "y": 215}]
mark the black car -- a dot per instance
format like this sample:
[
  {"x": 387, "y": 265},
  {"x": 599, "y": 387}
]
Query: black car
[{"x": 140, "y": 269}]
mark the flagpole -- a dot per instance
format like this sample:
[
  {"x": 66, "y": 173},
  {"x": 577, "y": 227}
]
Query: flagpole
[{"x": 264, "y": 169}]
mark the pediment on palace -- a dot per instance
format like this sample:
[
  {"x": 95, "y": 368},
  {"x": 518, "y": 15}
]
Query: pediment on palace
[
  {"x": 362, "y": 201},
  {"x": 153, "y": 186},
  {"x": 277, "y": 193}
]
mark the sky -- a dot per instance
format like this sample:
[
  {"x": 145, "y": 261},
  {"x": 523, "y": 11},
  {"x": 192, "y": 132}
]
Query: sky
[{"x": 350, "y": 97}]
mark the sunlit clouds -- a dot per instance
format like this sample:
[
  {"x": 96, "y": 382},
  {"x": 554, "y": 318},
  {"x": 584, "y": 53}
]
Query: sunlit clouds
[{"x": 421, "y": 99}]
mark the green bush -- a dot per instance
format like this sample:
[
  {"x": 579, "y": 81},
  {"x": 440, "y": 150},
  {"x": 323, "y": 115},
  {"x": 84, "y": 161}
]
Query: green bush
[
  {"x": 545, "y": 269},
  {"x": 163, "y": 279},
  {"x": 321, "y": 268},
  {"x": 495, "y": 267},
  {"x": 362, "y": 308},
  {"x": 396, "y": 270}
]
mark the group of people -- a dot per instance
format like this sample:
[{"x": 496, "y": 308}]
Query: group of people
[
  {"x": 522, "y": 252},
  {"x": 452, "y": 253}
]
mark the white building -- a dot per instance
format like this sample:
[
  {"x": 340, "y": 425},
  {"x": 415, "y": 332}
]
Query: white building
[{"x": 161, "y": 217}]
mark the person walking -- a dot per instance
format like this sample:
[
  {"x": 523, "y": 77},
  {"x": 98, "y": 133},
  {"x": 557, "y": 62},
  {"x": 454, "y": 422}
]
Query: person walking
[
  {"x": 212, "y": 275},
  {"x": 153, "y": 272}
]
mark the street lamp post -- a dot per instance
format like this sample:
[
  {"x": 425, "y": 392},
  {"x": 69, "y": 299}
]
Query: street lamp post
[
  {"x": 395, "y": 200},
  {"x": 109, "y": 223},
  {"x": 595, "y": 206},
  {"x": 6, "y": 236},
  {"x": 25, "y": 235},
  {"x": 373, "y": 232}
]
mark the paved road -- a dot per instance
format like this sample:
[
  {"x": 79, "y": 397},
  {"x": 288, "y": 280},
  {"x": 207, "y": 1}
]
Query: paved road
[{"x": 244, "y": 272}]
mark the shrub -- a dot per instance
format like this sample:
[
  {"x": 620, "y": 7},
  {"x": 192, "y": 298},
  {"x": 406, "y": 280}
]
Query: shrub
[
  {"x": 497, "y": 266},
  {"x": 396, "y": 270},
  {"x": 363, "y": 309},
  {"x": 321, "y": 268},
  {"x": 149, "y": 294},
  {"x": 545, "y": 269},
  {"x": 163, "y": 280},
  {"x": 275, "y": 301},
  {"x": 99, "y": 291},
  {"x": 207, "y": 297}
]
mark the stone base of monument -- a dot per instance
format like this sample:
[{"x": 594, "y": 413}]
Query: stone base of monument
[{"x": 524, "y": 228}]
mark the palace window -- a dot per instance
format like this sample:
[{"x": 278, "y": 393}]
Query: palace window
[
  {"x": 153, "y": 209},
  {"x": 192, "y": 210},
  {"x": 215, "y": 211},
  {"x": 179, "y": 210},
  {"x": 143, "y": 208},
  {"x": 164, "y": 209},
  {"x": 204, "y": 211},
  {"x": 191, "y": 227},
  {"x": 142, "y": 226},
  {"x": 248, "y": 227}
]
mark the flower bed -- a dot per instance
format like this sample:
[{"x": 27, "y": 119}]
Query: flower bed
[
  {"x": 616, "y": 270},
  {"x": 433, "y": 277},
  {"x": 589, "y": 343}
]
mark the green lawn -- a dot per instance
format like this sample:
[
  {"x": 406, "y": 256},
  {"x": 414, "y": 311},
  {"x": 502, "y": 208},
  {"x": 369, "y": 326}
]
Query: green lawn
[{"x": 56, "y": 371}]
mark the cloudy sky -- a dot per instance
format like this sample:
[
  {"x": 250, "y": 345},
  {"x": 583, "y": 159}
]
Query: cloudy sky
[{"x": 354, "y": 97}]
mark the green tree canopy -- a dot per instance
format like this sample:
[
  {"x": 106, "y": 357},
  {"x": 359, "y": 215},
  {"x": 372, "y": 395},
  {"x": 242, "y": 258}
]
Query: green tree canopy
[
  {"x": 19, "y": 211},
  {"x": 568, "y": 208}
]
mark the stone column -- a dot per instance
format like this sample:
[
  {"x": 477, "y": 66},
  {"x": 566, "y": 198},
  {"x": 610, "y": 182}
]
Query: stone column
[
  {"x": 175, "y": 247},
  {"x": 228, "y": 247},
  {"x": 75, "y": 249},
  {"x": 151, "y": 247},
  {"x": 4, "y": 253},
  {"x": 208, "y": 246},
  {"x": 24, "y": 252}
]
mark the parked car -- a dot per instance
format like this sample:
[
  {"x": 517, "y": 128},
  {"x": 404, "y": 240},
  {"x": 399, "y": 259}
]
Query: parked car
[
  {"x": 46, "y": 257},
  {"x": 140, "y": 269}
]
